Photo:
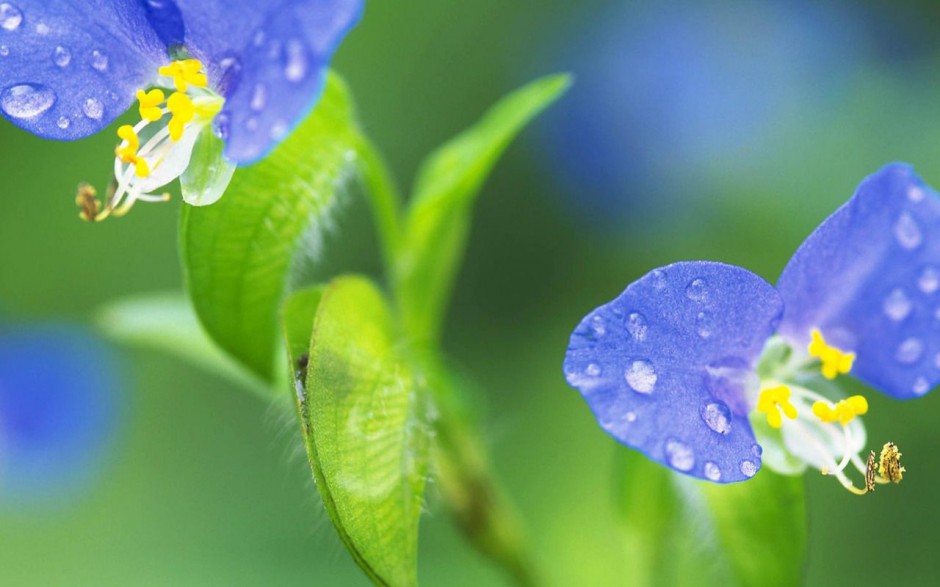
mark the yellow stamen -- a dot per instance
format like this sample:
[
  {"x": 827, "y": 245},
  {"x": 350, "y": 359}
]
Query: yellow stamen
[
  {"x": 889, "y": 465},
  {"x": 844, "y": 411},
  {"x": 834, "y": 361},
  {"x": 181, "y": 106},
  {"x": 185, "y": 73},
  {"x": 128, "y": 153},
  {"x": 773, "y": 401},
  {"x": 150, "y": 104}
]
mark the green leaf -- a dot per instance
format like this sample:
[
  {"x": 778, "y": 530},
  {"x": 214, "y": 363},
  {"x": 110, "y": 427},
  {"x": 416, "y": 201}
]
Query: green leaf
[
  {"x": 238, "y": 253},
  {"x": 166, "y": 322},
  {"x": 364, "y": 422},
  {"x": 438, "y": 220},
  {"x": 680, "y": 531}
]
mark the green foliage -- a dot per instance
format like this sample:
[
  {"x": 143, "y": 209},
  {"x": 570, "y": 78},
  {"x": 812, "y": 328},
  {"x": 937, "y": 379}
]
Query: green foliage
[
  {"x": 438, "y": 220},
  {"x": 681, "y": 531},
  {"x": 237, "y": 254},
  {"x": 364, "y": 422}
]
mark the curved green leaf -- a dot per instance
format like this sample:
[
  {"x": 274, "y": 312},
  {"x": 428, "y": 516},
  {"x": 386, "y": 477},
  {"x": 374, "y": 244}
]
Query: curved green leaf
[
  {"x": 680, "y": 531},
  {"x": 364, "y": 423},
  {"x": 237, "y": 254},
  {"x": 438, "y": 220}
]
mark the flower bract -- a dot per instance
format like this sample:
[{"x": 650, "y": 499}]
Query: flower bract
[{"x": 693, "y": 358}]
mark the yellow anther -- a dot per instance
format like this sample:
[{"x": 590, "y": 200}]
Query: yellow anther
[
  {"x": 128, "y": 152},
  {"x": 773, "y": 401},
  {"x": 185, "y": 73},
  {"x": 844, "y": 411},
  {"x": 150, "y": 103},
  {"x": 834, "y": 361},
  {"x": 181, "y": 106},
  {"x": 889, "y": 465}
]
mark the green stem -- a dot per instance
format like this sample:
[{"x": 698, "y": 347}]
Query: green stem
[{"x": 384, "y": 199}]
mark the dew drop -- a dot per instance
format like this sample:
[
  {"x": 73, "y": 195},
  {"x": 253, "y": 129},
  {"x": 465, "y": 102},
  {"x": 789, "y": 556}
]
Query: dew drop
[
  {"x": 279, "y": 130},
  {"x": 748, "y": 468},
  {"x": 42, "y": 29},
  {"x": 99, "y": 61},
  {"x": 10, "y": 16},
  {"x": 697, "y": 290},
  {"x": 679, "y": 455},
  {"x": 757, "y": 451},
  {"x": 93, "y": 108},
  {"x": 259, "y": 37},
  {"x": 598, "y": 327},
  {"x": 636, "y": 326},
  {"x": 26, "y": 100},
  {"x": 717, "y": 416},
  {"x": 630, "y": 416},
  {"x": 592, "y": 370},
  {"x": 252, "y": 124},
  {"x": 907, "y": 232},
  {"x": 712, "y": 472},
  {"x": 897, "y": 305},
  {"x": 703, "y": 324},
  {"x": 910, "y": 351},
  {"x": 4, "y": 50},
  {"x": 658, "y": 279},
  {"x": 222, "y": 125},
  {"x": 929, "y": 280},
  {"x": 915, "y": 193},
  {"x": 62, "y": 56},
  {"x": 259, "y": 97},
  {"x": 641, "y": 376},
  {"x": 296, "y": 68},
  {"x": 63, "y": 122},
  {"x": 921, "y": 386}
]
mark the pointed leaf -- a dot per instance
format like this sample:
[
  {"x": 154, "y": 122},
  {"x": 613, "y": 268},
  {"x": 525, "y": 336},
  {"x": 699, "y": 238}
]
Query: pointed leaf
[{"x": 438, "y": 221}]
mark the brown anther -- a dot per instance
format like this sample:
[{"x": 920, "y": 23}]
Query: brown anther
[
  {"x": 870, "y": 472},
  {"x": 889, "y": 465},
  {"x": 87, "y": 200}
]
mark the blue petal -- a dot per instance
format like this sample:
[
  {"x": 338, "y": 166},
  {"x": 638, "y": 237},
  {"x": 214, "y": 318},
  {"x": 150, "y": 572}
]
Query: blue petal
[
  {"x": 67, "y": 69},
  {"x": 666, "y": 366},
  {"x": 869, "y": 278},
  {"x": 58, "y": 404},
  {"x": 268, "y": 59},
  {"x": 167, "y": 21}
]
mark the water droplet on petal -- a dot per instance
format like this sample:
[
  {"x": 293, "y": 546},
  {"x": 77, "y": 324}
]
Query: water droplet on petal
[
  {"x": 697, "y": 290},
  {"x": 658, "y": 279},
  {"x": 10, "y": 16},
  {"x": 63, "y": 122},
  {"x": 222, "y": 125},
  {"x": 598, "y": 327},
  {"x": 907, "y": 232},
  {"x": 679, "y": 455},
  {"x": 636, "y": 326},
  {"x": 712, "y": 472},
  {"x": 42, "y": 29},
  {"x": 99, "y": 61},
  {"x": 748, "y": 468},
  {"x": 258, "y": 38},
  {"x": 26, "y": 100},
  {"x": 592, "y": 370},
  {"x": 910, "y": 351},
  {"x": 4, "y": 50},
  {"x": 921, "y": 386},
  {"x": 93, "y": 108},
  {"x": 929, "y": 280},
  {"x": 703, "y": 324},
  {"x": 897, "y": 305},
  {"x": 279, "y": 130},
  {"x": 252, "y": 124},
  {"x": 717, "y": 416},
  {"x": 62, "y": 56},
  {"x": 630, "y": 416},
  {"x": 641, "y": 376},
  {"x": 915, "y": 193},
  {"x": 259, "y": 97},
  {"x": 296, "y": 68},
  {"x": 757, "y": 451}
]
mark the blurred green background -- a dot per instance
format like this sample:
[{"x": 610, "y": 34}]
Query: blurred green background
[{"x": 206, "y": 484}]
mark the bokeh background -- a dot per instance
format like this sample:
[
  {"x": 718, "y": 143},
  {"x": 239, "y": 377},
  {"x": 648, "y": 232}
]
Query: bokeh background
[{"x": 717, "y": 130}]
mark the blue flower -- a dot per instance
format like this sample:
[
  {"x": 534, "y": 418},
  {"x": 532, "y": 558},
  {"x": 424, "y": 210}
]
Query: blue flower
[
  {"x": 685, "y": 365},
  {"x": 58, "y": 409},
  {"x": 241, "y": 70}
]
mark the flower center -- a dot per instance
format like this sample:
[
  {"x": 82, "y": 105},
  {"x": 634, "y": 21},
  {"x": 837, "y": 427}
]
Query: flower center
[
  {"x": 156, "y": 150},
  {"x": 822, "y": 432}
]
